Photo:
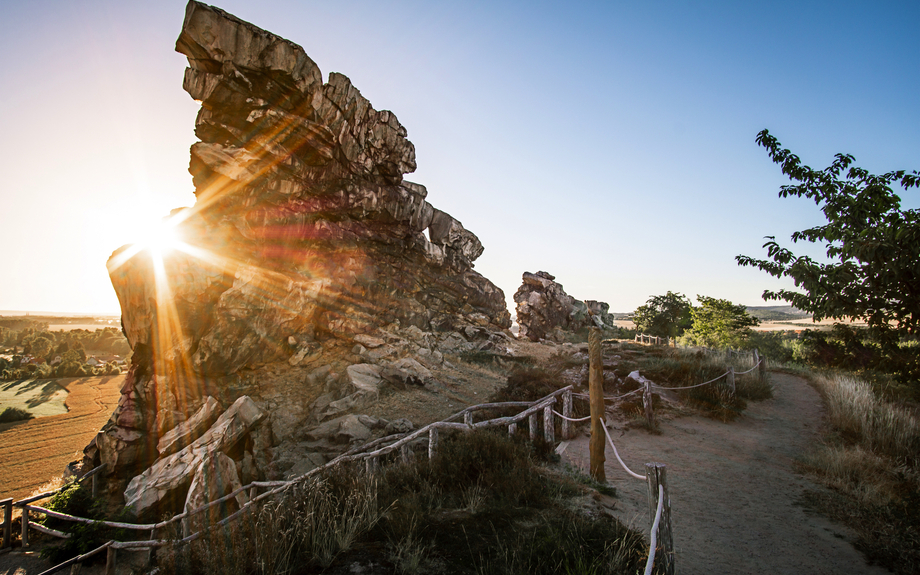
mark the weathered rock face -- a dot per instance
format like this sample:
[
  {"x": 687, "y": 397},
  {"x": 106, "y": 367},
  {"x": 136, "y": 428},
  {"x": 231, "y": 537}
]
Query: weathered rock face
[
  {"x": 303, "y": 233},
  {"x": 544, "y": 310}
]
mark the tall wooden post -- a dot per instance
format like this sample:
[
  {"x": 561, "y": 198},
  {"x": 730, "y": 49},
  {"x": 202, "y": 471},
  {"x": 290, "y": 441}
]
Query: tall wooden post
[
  {"x": 731, "y": 382},
  {"x": 532, "y": 420},
  {"x": 763, "y": 366},
  {"x": 655, "y": 475},
  {"x": 598, "y": 441},
  {"x": 567, "y": 412},
  {"x": 7, "y": 505}
]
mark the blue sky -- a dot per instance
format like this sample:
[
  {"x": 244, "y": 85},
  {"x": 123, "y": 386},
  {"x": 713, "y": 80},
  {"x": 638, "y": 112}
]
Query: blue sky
[{"x": 608, "y": 143}]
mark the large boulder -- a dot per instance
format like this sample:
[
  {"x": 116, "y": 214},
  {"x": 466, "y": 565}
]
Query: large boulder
[{"x": 545, "y": 311}]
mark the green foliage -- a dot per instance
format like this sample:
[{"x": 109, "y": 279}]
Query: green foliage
[
  {"x": 719, "y": 323},
  {"x": 873, "y": 246},
  {"x": 76, "y": 499},
  {"x": 11, "y": 414},
  {"x": 778, "y": 346},
  {"x": 664, "y": 315},
  {"x": 41, "y": 347}
]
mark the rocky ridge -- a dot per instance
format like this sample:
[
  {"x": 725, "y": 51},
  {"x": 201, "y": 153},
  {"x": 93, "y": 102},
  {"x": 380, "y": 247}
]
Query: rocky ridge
[{"x": 304, "y": 286}]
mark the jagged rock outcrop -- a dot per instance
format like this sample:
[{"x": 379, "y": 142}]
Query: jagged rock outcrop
[
  {"x": 304, "y": 235},
  {"x": 545, "y": 311}
]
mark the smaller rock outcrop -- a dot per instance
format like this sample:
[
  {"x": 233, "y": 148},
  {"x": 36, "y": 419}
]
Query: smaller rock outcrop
[{"x": 545, "y": 311}]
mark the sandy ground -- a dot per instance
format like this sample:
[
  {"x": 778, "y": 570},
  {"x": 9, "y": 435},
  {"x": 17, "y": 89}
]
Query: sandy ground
[
  {"x": 733, "y": 489},
  {"x": 34, "y": 451}
]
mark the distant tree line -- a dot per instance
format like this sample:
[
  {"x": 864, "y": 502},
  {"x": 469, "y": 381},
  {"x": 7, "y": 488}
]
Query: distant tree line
[
  {"x": 714, "y": 323},
  {"x": 34, "y": 352}
]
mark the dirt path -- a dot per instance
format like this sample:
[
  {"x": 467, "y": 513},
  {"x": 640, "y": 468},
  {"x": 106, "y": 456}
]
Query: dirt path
[
  {"x": 734, "y": 489},
  {"x": 34, "y": 451}
]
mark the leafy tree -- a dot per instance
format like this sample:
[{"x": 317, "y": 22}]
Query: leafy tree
[
  {"x": 719, "y": 323},
  {"x": 41, "y": 347},
  {"x": 873, "y": 246},
  {"x": 664, "y": 315}
]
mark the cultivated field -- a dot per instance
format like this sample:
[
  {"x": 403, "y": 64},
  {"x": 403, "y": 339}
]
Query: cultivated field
[{"x": 33, "y": 452}]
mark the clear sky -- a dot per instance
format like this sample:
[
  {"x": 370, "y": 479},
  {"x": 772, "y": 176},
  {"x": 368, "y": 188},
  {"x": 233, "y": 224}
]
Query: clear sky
[{"x": 608, "y": 143}]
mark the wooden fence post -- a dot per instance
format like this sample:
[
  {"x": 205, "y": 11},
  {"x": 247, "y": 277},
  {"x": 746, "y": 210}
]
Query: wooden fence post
[
  {"x": 655, "y": 475},
  {"x": 731, "y": 382},
  {"x": 549, "y": 430},
  {"x": 468, "y": 418},
  {"x": 404, "y": 453},
  {"x": 647, "y": 404},
  {"x": 567, "y": 412},
  {"x": 763, "y": 366},
  {"x": 110, "y": 558},
  {"x": 598, "y": 442},
  {"x": 433, "y": 442},
  {"x": 512, "y": 429},
  {"x": 7, "y": 505},
  {"x": 532, "y": 420},
  {"x": 370, "y": 465},
  {"x": 25, "y": 527}
]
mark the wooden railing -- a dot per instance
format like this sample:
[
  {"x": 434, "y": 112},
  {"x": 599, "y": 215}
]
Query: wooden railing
[{"x": 370, "y": 453}]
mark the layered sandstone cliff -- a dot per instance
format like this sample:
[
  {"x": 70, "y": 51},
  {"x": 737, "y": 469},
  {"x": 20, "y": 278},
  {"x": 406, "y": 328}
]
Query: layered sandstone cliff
[{"x": 304, "y": 235}]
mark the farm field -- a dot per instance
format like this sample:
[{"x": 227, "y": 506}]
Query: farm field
[{"x": 35, "y": 451}]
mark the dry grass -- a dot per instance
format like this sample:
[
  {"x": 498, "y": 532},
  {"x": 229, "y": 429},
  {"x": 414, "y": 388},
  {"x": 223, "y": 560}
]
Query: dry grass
[
  {"x": 485, "y": 504},
  {"x": 870, "y": 459},
  {"x": 863, "y": 419}
]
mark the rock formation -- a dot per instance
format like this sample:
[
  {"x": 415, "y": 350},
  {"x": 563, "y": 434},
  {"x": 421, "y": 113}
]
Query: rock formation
[
  {"x": 304, "y": 242},
  {"x": 545, "y": 311}
]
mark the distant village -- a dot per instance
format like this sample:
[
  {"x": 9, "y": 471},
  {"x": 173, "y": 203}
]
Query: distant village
[{"x": 50, "y": 347}]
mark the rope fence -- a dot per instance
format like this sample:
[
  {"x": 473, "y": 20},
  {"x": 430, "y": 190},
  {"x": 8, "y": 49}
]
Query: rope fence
[{"x": 371, "y": 452}]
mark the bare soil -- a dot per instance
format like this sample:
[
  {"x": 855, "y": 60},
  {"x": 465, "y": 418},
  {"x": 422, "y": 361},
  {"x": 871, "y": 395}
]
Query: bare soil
[
  {"x": 734, "y": 490},
  {"x": 32, "y": 452}
]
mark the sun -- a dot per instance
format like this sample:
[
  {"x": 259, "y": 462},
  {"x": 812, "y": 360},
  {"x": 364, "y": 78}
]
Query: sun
[{"x": 159, "y": 238}]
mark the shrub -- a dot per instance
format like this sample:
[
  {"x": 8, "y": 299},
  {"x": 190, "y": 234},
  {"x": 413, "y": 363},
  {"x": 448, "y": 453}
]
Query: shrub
[{"x": 11, "y": 414}]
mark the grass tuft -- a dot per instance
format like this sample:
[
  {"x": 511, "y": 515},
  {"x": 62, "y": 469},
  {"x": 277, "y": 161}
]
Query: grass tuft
[{"x": 870, "y": 460}]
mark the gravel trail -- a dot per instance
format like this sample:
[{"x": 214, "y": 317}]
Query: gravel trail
[{"x": 733, "y": 489}]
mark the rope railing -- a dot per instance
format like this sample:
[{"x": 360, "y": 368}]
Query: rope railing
[
  {"x": 617, "y": 453},
  {"x": 654, "y": 534},
  {"x": 580, "y": 419}
]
